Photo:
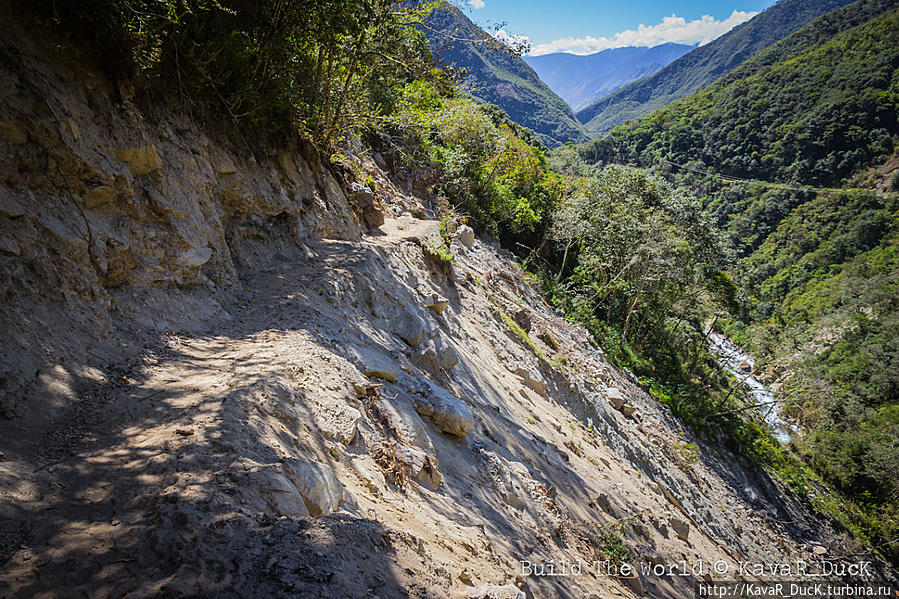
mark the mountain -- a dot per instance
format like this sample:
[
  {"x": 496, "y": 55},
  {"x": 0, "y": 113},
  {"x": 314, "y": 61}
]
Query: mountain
[
  {"x": 819, "y": 264},
  {"x": 812, "y": 109},
  {"x": 703, "y": 65},
  {"x": 498, "y": 77},
  {"x": 581, "y": 80}
]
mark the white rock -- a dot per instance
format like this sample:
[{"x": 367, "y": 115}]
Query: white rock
[
  {"x": 445, "y": 410},
  {"x": 616, "y": 397},
  {"x": 317, "y": 483},
  {"x": 466, "y": 235}
]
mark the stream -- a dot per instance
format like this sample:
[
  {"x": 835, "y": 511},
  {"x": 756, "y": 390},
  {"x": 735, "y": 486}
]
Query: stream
[{"x": 741, "y": 365}]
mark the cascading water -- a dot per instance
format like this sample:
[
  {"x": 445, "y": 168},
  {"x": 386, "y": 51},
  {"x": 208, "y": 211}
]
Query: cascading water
[{"x": 741, "y": 366}]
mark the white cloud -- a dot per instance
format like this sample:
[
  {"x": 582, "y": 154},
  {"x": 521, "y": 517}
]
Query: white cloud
[
  {"x": 476, "y": 4},
  {"x": 519, "y": 43},
  {"x": 671, "y": 29}
]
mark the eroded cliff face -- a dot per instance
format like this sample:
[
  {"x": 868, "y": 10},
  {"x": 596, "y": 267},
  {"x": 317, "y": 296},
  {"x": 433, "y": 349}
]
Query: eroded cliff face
[
  {"x": 218, "y": 382},
  {"x": 110, "y": 213}
]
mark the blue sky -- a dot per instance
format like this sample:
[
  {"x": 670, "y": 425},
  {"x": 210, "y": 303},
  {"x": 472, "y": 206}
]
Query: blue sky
[{"x": 585, "y": 26}]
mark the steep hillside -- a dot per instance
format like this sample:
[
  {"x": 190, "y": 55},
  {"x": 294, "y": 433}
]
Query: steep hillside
[
  {"x": 581, "y": 80},
  {"x": 232, "y": 369},
  {"x": 703, "y": 65},
  {"x": 818, "y": 264},
  {"x": 495, "y": 76}
]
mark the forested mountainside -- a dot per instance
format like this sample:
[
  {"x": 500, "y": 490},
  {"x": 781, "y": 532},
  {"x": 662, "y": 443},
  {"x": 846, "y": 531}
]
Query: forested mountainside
[
  {"x": 286, "y": 312},
  {"x": 703, "y": 65},
  {"x": 499, "y": 77},
  {"x": 794, "y": 155},
  {"x": 581, "y": 80}
]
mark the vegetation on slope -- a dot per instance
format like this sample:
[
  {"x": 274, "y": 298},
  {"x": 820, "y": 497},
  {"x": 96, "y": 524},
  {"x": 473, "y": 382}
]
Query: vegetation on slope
[
  {"x": 703, "y": 65},
  {"x": 818, "y": 265},
  {"x": 498, "y": 77}
]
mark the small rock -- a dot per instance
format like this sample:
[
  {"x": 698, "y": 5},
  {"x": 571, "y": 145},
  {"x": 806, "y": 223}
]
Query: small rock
[
  {"x": 466, "y": 235},
  {"x": 492, "y": 591},
  {"x": 681, "y": 529},
  {"x": 616, "y": 397},
  {"x": 819, "y": 550},
  {"x": 628, "y": 410},
  {"x": 437, "y": 303},
  {"x": 141, "y": 160}
]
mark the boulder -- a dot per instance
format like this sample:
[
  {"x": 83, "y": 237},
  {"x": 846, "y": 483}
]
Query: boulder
[
  {"x": 316, "y": 483},
  {"x": 141, "y": 160},
  {"x": 338, "y": 422},
  {"x": 533, "y": 380},
  {"x": 372, "y": 363},
  {"x": 444, "y": 409},
  {"x": 279, "y": 494},
  {"x": 438, "y": 354},
  {"x": 413, "y": 329},
  {"x": 465, "y": 235}
]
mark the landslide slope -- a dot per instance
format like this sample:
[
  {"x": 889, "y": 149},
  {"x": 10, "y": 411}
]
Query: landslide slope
[{"x": 218, "y": 382}]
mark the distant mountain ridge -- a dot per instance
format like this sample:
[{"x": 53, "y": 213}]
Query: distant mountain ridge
[
  {"x": 703, "y": 65},
  {"x": 582, "y": 80},
  {"x": 499, "y": 78}
]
